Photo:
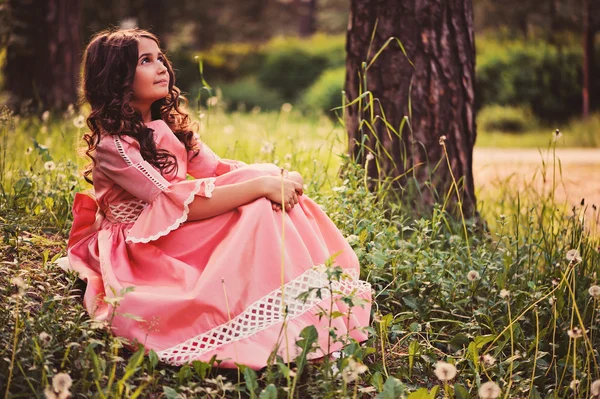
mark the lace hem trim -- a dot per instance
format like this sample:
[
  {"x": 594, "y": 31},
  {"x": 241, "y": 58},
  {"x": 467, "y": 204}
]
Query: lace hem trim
[
  {"x": 263, "y": 314},
  {"x": 121, "y": 150},
  {"x": 209, "y": 186}
]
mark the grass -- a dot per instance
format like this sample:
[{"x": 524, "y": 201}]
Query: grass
[{"x": 501, "y": 305}]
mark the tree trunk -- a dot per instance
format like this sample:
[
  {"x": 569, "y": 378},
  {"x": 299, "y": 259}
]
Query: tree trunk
[
  {"x": 43, "y": 53},
  {"x": 439, "y": 40},
  {"x": 307, "y": 15},
  {"x": 588, "y": 55}
]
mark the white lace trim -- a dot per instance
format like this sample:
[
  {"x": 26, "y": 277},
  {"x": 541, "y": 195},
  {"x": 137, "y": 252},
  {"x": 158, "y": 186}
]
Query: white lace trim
[
  {"x": 121, "y": 150},
  {"x": 211, "y": 151},
  {"x": 264, "y": 313},
  {"x": 126, "y": 211},
  {"x": 142, "y": 168},
  {"x": 209, "y": 186}
]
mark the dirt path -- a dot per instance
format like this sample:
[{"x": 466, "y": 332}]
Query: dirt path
[{"x": 580, "y": 171}]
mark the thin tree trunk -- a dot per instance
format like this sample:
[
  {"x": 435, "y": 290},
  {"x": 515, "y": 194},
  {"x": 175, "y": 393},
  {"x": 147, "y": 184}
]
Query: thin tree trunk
[
  {"x": 438, "y": 37},
  {"x": 307, "y": 19},
  {"x": 43, "y": 53},
  {"x": 588, "y": 55}
]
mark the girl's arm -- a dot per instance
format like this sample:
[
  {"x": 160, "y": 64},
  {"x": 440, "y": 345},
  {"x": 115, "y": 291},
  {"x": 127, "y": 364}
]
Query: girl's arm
[{"x": 228, "y": 197}]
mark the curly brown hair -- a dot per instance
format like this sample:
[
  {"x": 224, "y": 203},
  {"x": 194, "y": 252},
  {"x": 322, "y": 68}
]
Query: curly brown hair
[{"x": 109, "y": 66}]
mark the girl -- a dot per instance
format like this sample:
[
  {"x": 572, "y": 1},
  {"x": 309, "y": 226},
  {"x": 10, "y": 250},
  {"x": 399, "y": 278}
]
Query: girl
[{"x": 193, "y": 268}]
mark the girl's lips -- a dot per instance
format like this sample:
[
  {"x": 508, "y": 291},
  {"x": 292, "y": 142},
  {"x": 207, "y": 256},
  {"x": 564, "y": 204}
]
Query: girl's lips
[{"x": 162, "y": 82}]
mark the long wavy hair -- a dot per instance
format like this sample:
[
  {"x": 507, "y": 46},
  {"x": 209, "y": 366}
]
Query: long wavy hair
[{"x": 109, "y": 66}]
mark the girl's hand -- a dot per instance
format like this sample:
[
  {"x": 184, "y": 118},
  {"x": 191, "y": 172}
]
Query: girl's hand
[
  {"x": 295, "y": 176},
  {"x": 272, "y": 191}
]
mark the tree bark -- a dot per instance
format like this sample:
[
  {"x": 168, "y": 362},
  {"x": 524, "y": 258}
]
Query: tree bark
[
  {"x": 307, "y": 17},
  {"x": 588, "y": 55},
  {"x": 43, "y": 53},
  {"x": 439, "y": 40}
]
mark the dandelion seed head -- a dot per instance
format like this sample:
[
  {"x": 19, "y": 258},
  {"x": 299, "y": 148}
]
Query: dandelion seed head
[
  {"x": 574, "y": 385},
  {"x": 594, "y": 291},
  {"x": 488, "y": 360},
  {"x": 575, "y": 332},
  {"x": 370, "y": 156},
  {"x": 442, "y": 140},
  {"x": 45, "y": 116},
  {"x": 267, "y": 147},
  {"x": 445, "y": 371},
  {"x": 286, "y": 107},
  {"x": 49, "y": 165},
  {"x": 18, "y": 282},
  {"x": 353, "y": 370},
  {"x": 29, "y": 150},
  {"x": 489, "y": 390},
  {"x": 595, "y": 389},
  {"x": 557, "y": 135},
  {"x": 473, "y": 275},
  {"x": 79, "y": 122},
  {"x": 573, "y": 256},
  {"x": 504, "y": 293},
  {"x": 45, "y": 338},
  {"x": 61, "y": 382}
]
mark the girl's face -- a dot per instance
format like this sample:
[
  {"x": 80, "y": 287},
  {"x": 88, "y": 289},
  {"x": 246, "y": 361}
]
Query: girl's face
[{"x": 151, "y": 81}]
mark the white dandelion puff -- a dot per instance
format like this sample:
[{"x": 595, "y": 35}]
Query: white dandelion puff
[
  {"x": 442, "y": 140},
  {"x": 50, "y": 165},
  {"x": 353, "y": 370},
  {"x": 61, "y": 382},
  {"x": 445, "y": 371},
  {"x": 575, "y": 332},
  {"x": 488, "y": 360},
  {"x": 370, "y": 156},
  {"x": 489, "y": 390},
  {"x": 504, "y": 293},
  {"x": 557, "y": 135},
  {"x": 29, "y": 150},
  {"x": 213, "y": 101},
  {"x": 594, "y": 291},
  {"x": 267, "y": 147},
  {"x": 18, "y": 282},
  {"x": 473, "y": 275},
  {"x": 573, "y": 256},
  {"x": 45, "y": 338},
  {"x": 286, "y": 107},
  {"x": 45, "y": 116},
  {"x": 574, "y": 385},
  {"x": 595, "y": 389},
  {"x": 79, "y": 122}
]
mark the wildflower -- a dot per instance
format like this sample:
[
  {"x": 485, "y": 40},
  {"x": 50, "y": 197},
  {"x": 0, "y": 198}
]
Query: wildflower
[
  {"x": 573, "y": 255},
  {"x": 45, "y": 338},
  {"x": 574, "y": 385},
  {"x": 489, "y": 390},
  {"x": 28, "y": 151},
  {"x": 286, "y": 107},
  {"x": 557, "y": 135},
  {"x": 595, "y": 389},
  {"x": 370, "y": 156},
  {"x": 45, "y": 116},
  {"x": 473, "y": 275},
  {"x": 555, "y": 282},
  {"x": 19, "y": 283},
  {"x": 594, "y": 291},
  {"x": 61, "y": 382},
  {"x": 213, "y": 101},
  {"x": 267, "y": 147},
  {"x": 353, "y": 370},
  {"x": 445, "y": 371},
  {"x": 551, "y": 300},
  {"x": 575, "y": 332},
  {"x": 70, "y": 109},
  {"x": 352, "y": 238},
  {"x": 79, "y": 122},
  {"x": 287, "y": 156},
  {"x": 442, "y": 140},
  {"x": 50, "y": 165},
  {"x": 488, "y": 360},
  {"x": 504, "y": 293}
]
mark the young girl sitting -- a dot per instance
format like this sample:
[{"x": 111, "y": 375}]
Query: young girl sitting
[{"x": 202, "y": 267}]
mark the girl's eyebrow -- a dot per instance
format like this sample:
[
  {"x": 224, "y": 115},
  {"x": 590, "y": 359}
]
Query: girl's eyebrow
[{"x": 145, "y": 54}]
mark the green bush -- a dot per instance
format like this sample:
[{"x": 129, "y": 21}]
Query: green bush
[
  {"x": 290, "y": 71},
  {"x": 248, "y": 93},
  {"x": 505, "y": 119},
  {"x": 537, "y": 74},
  {"x": 326, "y": 92}
]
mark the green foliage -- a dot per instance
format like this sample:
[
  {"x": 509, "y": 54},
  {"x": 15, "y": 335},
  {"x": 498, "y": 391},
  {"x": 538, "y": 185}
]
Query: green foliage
[
  {"x": 247, "y": 93},
  {"x": 326, "y": 93},
  {"x": 290, "y": 71},
  {"x": 532, "y": 74},
  {"x": 426, "y": 308},
  {"x": 505, "y": 119}
]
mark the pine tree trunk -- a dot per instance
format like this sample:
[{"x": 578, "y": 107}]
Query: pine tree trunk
[
  {"x": 439, "y": 39},
  {"x": 43, "y": 53}
]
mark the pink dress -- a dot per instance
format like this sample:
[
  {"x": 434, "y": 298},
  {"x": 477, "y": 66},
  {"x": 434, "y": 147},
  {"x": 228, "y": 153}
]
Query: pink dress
[{"x": 208, "y": 287}]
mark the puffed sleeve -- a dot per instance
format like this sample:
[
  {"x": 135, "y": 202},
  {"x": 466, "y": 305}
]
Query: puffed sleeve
[
  {"x": 166, "y": 204},
  {"x": 205, "y": 163}
]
